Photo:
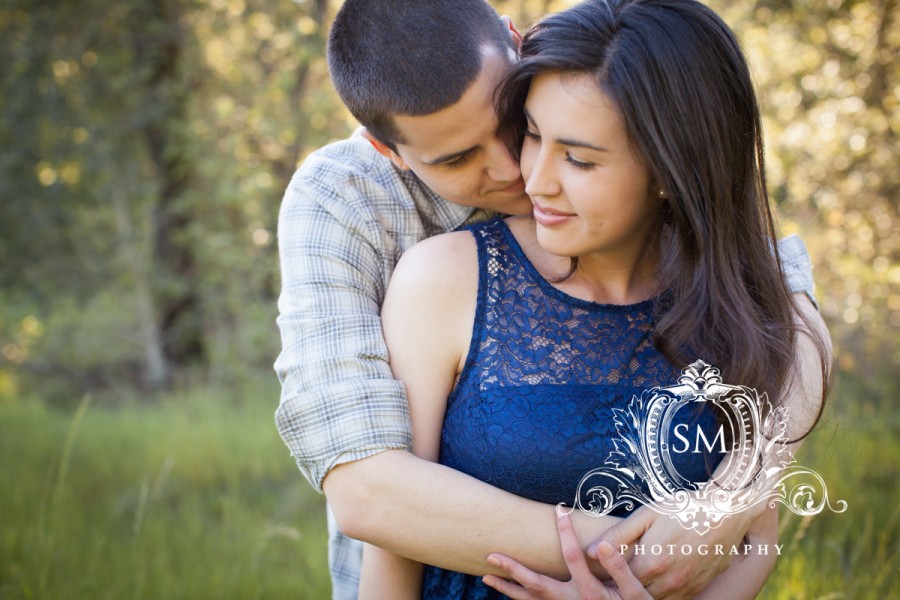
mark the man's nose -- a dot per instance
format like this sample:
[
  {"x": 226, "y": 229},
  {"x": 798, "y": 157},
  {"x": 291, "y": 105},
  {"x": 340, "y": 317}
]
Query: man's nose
[{"x": 501, "y": 165}]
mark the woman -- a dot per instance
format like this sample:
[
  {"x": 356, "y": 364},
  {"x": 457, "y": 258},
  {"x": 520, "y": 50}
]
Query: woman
[{"x": 649, "y": 247}]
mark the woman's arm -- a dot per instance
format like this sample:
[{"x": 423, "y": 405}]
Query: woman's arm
[
  {"x": 427, "y": 318},
  {"x": 429, "y": 307},
  {"x": 388, "y": 576}
]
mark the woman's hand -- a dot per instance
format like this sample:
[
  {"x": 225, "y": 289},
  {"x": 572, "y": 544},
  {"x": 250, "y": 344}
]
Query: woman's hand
[
  {"x": 527, "y": 584},
  {"x": 676, "y": 575}
]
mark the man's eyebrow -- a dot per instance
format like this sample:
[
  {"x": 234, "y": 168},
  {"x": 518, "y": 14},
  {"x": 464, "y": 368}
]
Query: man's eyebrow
[
  {"x": 566, "y": 141},
  {"x": 446, "y": 158}
]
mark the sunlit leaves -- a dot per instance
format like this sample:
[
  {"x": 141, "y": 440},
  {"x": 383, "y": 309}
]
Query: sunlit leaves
[{"x": 73, "y": 97}]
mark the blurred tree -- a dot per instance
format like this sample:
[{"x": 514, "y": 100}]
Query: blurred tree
[
  {"x": 158, "y": 49},
  {"x": 148, "y": 142},
  {"x": 146, "y": 145},
  {"x": 830, "y": 88}
]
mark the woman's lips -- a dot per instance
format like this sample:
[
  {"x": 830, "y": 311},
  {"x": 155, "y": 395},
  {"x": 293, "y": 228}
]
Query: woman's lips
[{"x": 549, "y": 217}]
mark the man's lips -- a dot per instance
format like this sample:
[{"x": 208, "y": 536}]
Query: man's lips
[{"x": 549, "y": 217}]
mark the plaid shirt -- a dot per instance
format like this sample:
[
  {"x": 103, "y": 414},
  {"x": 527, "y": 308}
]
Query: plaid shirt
[{"x": 346, "y": 218}]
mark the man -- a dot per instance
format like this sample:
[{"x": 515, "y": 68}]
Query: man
[{"x": 420, "y": 76}]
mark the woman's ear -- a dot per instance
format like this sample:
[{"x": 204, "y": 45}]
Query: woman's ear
[{"x": 386, "y": 151}]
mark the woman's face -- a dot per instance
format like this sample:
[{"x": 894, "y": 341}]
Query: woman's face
[{"x": 591, "y": 193}]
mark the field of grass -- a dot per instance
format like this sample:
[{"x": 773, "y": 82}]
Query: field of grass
[
  {"x": 855, "y": 554},
  {"x": 195, "y": 496}
]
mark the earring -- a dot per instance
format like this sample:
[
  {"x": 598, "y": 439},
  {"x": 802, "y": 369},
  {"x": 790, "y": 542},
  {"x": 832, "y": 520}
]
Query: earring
[{"x": 662, "y": 193}]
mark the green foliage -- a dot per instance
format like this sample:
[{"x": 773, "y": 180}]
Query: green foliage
[
  {"x": 193, "y": 497},
  {"x": 145, "y": 148},
  {"x": 830, "y": 90},
  {"x": 147, "y": 144}
]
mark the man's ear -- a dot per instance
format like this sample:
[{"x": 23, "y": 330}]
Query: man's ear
[
  {"x": 384, "y": 150},
  {"x": 513, "y": 31}
]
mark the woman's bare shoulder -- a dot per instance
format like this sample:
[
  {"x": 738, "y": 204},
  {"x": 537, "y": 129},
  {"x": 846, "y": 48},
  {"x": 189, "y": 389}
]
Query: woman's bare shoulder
[
  {"x": 436, "y": 279},
  {"x": 430, "y": 307},
  {"x": 441, "y": 259}
]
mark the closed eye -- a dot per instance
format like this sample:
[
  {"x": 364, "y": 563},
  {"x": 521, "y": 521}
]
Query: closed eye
[
  {"x": 458, "y": 162},
  {"x": 578, "y": 164}
]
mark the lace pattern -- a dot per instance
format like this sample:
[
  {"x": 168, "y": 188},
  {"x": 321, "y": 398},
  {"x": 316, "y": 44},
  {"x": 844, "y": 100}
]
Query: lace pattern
[{"x": 532, "y": 411}]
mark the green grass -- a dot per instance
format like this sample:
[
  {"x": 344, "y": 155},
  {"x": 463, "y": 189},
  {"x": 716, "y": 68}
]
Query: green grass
[
  {"x": 194, "y": 496},
  {"x": 851, "y": 555}
]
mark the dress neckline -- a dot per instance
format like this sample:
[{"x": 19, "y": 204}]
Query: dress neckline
[{"x": 554, "y": 292}]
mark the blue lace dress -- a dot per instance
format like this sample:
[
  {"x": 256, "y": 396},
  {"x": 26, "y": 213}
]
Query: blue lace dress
[{"x": 532, "y": 411}]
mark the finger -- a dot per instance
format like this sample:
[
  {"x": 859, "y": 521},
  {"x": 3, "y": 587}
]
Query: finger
[
  {"x": 626, "y": 532},
  {"x": 528, "y": 579},
  {"x": 616, "y": 565},
  {"x": 572, "y": 552},
  {"x": 513, "y": 590}
]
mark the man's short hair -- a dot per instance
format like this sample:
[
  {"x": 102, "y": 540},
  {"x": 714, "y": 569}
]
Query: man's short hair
[{"x": 408, "y": 57}]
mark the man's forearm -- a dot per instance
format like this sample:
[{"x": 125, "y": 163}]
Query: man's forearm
[{"x": 435, "y": 515}]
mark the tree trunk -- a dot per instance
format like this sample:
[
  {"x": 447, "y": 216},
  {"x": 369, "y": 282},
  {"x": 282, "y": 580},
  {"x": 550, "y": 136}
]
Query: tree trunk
[
  {"x": 158, "y": 51},
  {"x": 155, "y": 369}
]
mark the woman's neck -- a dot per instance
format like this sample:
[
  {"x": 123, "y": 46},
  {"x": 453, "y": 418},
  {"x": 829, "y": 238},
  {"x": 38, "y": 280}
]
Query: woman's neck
[{"x": 626, "y": 275}]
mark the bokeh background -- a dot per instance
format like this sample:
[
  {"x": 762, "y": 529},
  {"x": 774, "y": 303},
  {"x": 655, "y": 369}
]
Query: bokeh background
[{"x": 144, "y": 148}]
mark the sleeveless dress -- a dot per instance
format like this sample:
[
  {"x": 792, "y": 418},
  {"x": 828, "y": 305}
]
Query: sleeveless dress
[{"x": 532, "y": 410}]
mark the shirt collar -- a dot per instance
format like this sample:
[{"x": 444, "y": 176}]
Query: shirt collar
[{"x": 437, "y": 211}]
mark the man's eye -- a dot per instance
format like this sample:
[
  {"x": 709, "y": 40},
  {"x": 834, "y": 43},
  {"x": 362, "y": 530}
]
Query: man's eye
[{"x": 459, "y": 162}]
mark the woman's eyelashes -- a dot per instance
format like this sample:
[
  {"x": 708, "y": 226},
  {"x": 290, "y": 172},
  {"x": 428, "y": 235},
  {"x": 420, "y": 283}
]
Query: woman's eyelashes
[{"x": 578, "y": 164}]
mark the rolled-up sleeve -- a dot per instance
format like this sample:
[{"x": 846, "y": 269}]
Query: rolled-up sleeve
[
  {"x": 796, "y": 267},
  {"x": 339, "y": 401}
]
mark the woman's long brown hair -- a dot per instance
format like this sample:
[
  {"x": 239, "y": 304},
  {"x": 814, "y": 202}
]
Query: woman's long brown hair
[{"x": 683, "y": 88}]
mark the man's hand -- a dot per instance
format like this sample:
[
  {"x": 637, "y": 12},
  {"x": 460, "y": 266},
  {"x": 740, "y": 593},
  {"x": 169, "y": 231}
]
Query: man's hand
[
  {"x": 675, "y": 575},
  {"x": 529, "y": 585}
]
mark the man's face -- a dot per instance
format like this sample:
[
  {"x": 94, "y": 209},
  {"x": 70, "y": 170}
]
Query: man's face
[{"x": 456, "y": 151}]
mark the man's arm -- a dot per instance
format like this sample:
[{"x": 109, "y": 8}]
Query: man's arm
[
  {"x": 341, "y": 406},
  {"x": 339, "y": 401},
  {"x": 416, "y": 508},
  {"x": 796, "y": 267},
  {"x": 343, "y": 414}
]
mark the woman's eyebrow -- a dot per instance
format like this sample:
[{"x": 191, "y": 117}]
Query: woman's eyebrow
[
  {"x": 567, "y": 141},
  {"x": 578, "y": 144}
]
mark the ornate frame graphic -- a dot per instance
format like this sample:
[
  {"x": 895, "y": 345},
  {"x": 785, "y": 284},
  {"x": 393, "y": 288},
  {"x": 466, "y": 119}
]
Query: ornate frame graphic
[{"x": 758, "y": 468}]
